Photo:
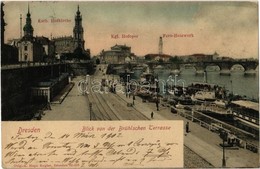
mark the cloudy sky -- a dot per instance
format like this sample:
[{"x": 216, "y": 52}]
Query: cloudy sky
[{"x": 229, "y": 28}]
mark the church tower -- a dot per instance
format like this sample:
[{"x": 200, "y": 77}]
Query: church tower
[
  {"x": 28, "y": 29},
  {"x": 78, "y": 30},
  {"x": 30, "y": 50}
]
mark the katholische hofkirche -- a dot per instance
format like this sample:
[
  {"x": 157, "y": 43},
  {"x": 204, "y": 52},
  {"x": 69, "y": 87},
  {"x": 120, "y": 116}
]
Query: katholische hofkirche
[
  {"x": 30, "y": 48},
  {"x": 69, "y": 45}
]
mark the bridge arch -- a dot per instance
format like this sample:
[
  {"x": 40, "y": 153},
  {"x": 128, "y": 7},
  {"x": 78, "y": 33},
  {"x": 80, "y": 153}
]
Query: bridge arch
[
  {"x": 237, "y": 67},
  {"x": 249, "y": 66},
  {"x": 212, "y": 67}
]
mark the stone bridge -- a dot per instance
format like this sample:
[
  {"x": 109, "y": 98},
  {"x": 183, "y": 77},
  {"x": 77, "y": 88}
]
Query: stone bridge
[{"x": 224, "y": 66}]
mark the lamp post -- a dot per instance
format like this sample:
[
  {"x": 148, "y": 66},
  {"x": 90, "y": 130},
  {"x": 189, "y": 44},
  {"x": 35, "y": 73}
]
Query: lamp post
[
  {"x": 157, "y": 92},
  {"x": 223, "y": 158},
  {"x": 223, "y": 135},
  {"x": 183, "y": 85},
  {"x": 231, "y": 87},
  {"x": 205, "y": 77},
  {"x": 175, "y": 80},
  {"x": 90, "y": 111},
  {"x": 128, "y": 76},
  {"x": 133, "y": 99},
  {"x": 87, "y": 83}
]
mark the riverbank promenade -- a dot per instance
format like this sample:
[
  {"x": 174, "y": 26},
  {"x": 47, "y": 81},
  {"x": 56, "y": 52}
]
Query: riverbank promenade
[
  {"x": 111, "y": 106},
  {"x": 200, "y": 140}
]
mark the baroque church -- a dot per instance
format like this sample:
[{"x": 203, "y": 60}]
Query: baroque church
[
  {"x": 73, "y": 46},
  {"x": 30, "y": 49}
]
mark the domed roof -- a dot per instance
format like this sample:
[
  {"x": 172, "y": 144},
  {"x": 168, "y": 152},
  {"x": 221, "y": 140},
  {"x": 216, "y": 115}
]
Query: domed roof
[{"x": 28, "y": 29}]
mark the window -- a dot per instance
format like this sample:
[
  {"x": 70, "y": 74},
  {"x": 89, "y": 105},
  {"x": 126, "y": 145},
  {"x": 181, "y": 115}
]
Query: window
[{"x": 25, "y": 48}]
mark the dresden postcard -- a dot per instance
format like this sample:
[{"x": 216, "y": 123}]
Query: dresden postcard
[{"x": 130, "y": 84}]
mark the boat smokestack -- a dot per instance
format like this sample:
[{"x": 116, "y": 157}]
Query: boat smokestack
[{"x": 205, "y": 77}]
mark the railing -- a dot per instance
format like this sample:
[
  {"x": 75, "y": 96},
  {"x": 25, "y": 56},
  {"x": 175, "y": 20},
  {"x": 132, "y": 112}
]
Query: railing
[
  {"x": 216, "y": 126},
  {"x": 29, "y": 64},
  {"x": 52, "y": 90},
  {"x": 42, "y": 91},
  {"x": 213, "y": 108},
  {"x": 246, "y": 117},
  {"x": 36, "y": 64}
]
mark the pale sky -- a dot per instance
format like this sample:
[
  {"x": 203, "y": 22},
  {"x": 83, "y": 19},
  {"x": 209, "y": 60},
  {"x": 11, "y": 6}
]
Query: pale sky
[{"x": 229, "y": 28}]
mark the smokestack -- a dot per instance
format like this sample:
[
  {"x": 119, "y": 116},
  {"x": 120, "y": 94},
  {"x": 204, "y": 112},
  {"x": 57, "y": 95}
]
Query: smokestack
[{"x": 21, "y": 33}]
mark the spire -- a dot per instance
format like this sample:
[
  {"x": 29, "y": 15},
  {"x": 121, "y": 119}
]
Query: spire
[
  {"x": 28, "y": 14},
  {"x": 78, "y": 32},
  {"x": 28, "y": 29},
  {"x": 78, "y": 12},
  {"x": 28, "y": 8}
]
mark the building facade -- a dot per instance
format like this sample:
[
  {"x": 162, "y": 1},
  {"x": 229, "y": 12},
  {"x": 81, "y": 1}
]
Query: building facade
[
  {"x": 157, "y": 57},
  {"x": 118, "y": 54},
  {"x": 30, "y": 51},
  {"x": 48, "y": 46},
  {"x": 72, "y": 44},
  {"x": 30, "y": 48},
  {"x": 65, "y": 44}
]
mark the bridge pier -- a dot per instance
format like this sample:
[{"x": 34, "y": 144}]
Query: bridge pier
[
  {"x": 250, "y": 68},
  {"x": 175, "y": 71},
  {"x": 225, "y": 68},
  {"x": 250, "y": 72},
  {"x": 225, "y": 72},
  {"x": 200, "y": 68},
  {"x": 200, "y": 72}
]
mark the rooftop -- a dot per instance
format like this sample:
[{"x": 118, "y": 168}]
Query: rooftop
[{"x": 247, "y": 104}]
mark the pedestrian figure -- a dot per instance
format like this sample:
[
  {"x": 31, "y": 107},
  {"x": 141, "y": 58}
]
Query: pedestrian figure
[
  {"x": 152, "y": 115},
  {"x": 187, "y": 127}
]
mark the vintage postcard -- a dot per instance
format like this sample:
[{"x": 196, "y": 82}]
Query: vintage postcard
[{"x": 130, "y": 84}]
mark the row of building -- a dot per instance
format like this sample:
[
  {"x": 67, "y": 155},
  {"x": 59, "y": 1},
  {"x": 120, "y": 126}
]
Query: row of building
[
  {"x": 30, "y": 48},
  {"x": 122, "y": 54}
]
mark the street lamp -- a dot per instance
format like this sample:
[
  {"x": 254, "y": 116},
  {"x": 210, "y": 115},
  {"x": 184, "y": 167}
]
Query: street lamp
[
  {"x": 86, "y": 81},
  {"x": 157, "y": 92},
  {"x": 223, "y": 135},
  {"x": 205, "y": 77},
  {"x": 175, "y": 80},
  {"x": 128, "y": 76},
  {"x": 90, "y": 111},
  {"x": 183, "y": 85},
  {"x": 231, "y": 87},
  {"x": 133, "y": 99}
]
